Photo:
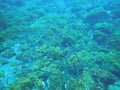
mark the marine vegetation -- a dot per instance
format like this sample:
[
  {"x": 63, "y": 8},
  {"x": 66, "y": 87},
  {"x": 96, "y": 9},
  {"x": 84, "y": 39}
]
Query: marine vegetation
[{"x": 59, "y": 45}]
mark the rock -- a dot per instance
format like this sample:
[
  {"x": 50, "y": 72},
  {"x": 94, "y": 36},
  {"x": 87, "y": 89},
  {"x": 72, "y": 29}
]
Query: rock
[
  {"x": 117, "y": 22},
  {"x": 8, "y": 53},
  {"x": 3, "y": 23},
  {"x": 112, "y": 5},
  {"x": 112, "y": 87},
  {"x": 106, "y": 77},
  {"x": 3, "y": 62},
  {"x": 115, "y": 86},
  {"x": 116, "y": 14},
  {"x": 96, "y": 15},
  {"x": 1, "y": 47},
  {"x": 1, "y": 75},
  {"x": 114, "y": 42},
  {"x": 99, "y": 37},
  {"x": 105, "y": 27},
  {"x": 117, "y": 83}
]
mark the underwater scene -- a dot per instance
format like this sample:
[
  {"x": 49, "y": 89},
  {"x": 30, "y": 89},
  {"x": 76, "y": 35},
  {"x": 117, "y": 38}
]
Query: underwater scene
[{"x": 59, "y": 44}]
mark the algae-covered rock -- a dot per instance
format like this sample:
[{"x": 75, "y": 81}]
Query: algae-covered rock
[
  {"x": 74, "y": 84},
  {"x": 116, "y": 14},
  {"x": 115, "y": 86},
  {"x": 39, "y": 64},
  {"x": 22, "y": 84},
  {"x": 114, "y": 41},
  {"x": 25, "y": 56},
  {"x": 67, "y": 41},
  {"x": 1, "y": 75},
  {"x": 3, "y": 23},
  {"x": 117, "y": 22},
  {"x": 113, "y": 57},
  {"x": 39, "y": 84},
  {"x": 3, "y": 62},
  {"x": 7, "y": 35},
  {"x": 1, "y": 47},
  {"x": 2, "y": 36},
  {"x": 27, "y": 82},
  {"x": 88, "y": 80},
  {"x": 104, "y": 76},
  {"x": 99, "y": 37},
  {"x": 1, "y": 17},
  {"x": 24, "y": 47},
  {"x": 75, "y": 60},
  {"x": 96, "y": 15},
  {"x": 41, "y": 23},
  {"x": 8, "y": 53},
  {"x": 54, "y": 53},
  {"x": 74, "y": 65},
  {"x": 38, "y": 12},
  {"x": 112, "y": 5},
  {"x": 88, "y": 57},
  {"x": 57, "y": 80},
  {"x": 105, "y": 27},
  {"x": 8, "y": 44},
  {"x": 17, "y": 3}
]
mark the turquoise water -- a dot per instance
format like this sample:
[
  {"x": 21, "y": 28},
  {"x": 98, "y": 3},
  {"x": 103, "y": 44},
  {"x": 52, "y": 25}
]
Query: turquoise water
[{"x": 59, "y": 45}]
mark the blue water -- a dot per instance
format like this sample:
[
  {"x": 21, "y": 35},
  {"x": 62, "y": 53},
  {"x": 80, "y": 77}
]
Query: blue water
[{"x": 59, "y": 45}]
